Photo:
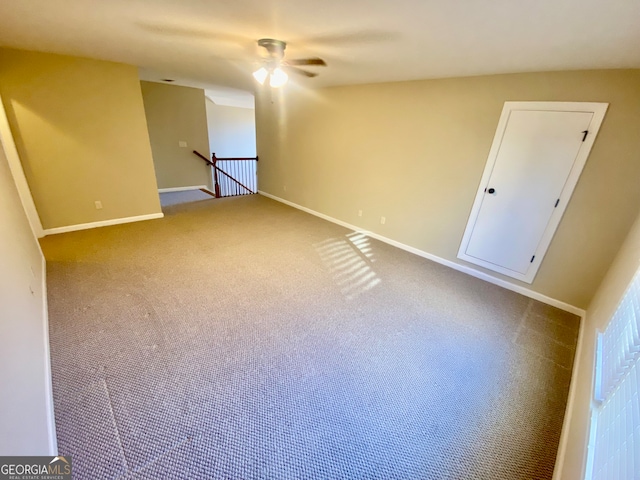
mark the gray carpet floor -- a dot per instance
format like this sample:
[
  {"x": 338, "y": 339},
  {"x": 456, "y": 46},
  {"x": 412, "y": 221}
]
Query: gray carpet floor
[
  {"x": 168, "y": 199},
  {"x": 243, "y": 339}
]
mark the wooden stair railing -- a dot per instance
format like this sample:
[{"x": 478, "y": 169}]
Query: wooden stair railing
[
  {"x": 230, "y": 182},
  {"x": 216, "y": 192},
  {"x": 198, "y": 154}
]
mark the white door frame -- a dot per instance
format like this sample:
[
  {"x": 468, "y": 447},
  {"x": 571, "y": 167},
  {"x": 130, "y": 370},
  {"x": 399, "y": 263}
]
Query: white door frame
[
  {"x": 9, "y": 146},
  {"x": 598, "y": 110}
]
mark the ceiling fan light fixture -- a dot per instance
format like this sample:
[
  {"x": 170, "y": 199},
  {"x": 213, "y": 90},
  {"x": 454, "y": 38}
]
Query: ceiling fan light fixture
[
  {"x": 278, "y": 78},
  {"x": 261, "y": 75}
]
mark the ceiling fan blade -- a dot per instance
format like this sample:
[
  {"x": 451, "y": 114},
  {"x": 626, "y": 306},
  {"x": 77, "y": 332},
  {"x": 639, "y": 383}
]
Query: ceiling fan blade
[
  {"x": 318, "y": 62},
  {"x": 350, "y": 38},
  {"x": 175, "y": 30},
  {"x": 299, "y": 71}
]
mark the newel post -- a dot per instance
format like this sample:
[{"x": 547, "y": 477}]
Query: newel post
[{"x": 216, "y": 186}]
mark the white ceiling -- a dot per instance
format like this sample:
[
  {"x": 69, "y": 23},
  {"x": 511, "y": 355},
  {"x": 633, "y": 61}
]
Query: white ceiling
[
  {"x": 363, "y": 41},
  {"x": 220, "y": 95}
]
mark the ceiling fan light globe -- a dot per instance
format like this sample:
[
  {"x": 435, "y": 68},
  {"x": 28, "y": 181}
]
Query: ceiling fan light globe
[
  {"x": 278, "y": 78},
  {"x": 261, "y": 75}
]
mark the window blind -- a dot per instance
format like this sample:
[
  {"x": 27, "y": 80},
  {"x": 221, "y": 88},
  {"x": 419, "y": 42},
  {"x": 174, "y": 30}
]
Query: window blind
[
  {"x": 615, "y": 435},
  {"x": 620, "y": 342}
]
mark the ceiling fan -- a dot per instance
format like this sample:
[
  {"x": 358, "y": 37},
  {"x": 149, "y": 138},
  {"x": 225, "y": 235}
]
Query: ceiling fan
[{"x": 275, "y": 67}]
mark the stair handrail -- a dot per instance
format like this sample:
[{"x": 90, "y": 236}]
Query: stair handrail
[
  {"x": 216, "y": 169},
  {"x": 197, "y": 153},
  {"x": 236, "y": 158},
  {"x": 231, "y": 178},
  {"x": 216, "y": 186}
]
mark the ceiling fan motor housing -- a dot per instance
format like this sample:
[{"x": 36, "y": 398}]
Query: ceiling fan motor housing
[
  {"x": 275, "y": 59},
  {"x": 274, "y": 47}
]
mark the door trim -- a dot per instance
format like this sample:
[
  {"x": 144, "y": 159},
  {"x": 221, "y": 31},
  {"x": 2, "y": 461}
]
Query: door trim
[{"x": 598, "y": 110}]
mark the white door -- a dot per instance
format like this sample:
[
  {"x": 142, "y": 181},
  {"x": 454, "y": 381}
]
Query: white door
[{"x": 535, "y": 162}]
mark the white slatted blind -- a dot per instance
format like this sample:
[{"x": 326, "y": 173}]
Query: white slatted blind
[
  {"x": 615, "y": 436},
  {"x": 621, "y": 341}
]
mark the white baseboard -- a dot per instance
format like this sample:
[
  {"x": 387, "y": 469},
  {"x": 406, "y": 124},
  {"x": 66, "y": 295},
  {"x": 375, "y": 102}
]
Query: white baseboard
[
  {"x": 51, "y": 419},
  {"x": 181, "y": 189},
  {"x": 456, "y": 266},
  {"x": 103, "y": 223}
]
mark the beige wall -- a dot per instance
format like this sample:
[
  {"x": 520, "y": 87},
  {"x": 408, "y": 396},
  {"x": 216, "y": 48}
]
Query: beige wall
[
  {"x": 598, "y": 315},
  {"x": 177, "y": 114},
  {"x": 80, "y": 129},
  {"x": 26, "y": 420},
  {"x": 414, "y": 152},
  {"x": 232, "y": 130}
]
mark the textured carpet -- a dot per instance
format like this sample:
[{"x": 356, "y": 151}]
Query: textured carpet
[
  {"x": 242, "y": 339},
  {"x": 175, "y": 198}
]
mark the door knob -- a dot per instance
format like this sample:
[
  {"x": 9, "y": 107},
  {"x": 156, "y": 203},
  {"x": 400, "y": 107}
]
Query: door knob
[{"x": 490, "y": 190}]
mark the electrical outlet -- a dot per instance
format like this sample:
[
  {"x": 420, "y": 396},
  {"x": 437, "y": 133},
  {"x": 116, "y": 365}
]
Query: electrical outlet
[
  {"x": 284, "y": 187},
  {"x": 359, "y": 213},
  {"x": 98, "y": 205},
  {"x": 383, "y": 220},
  {"x": 182, "y": 144}
]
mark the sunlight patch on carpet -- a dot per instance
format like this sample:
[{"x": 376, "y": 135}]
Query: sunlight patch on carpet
[{"x": 350, "y": 262}]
